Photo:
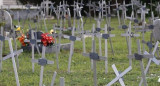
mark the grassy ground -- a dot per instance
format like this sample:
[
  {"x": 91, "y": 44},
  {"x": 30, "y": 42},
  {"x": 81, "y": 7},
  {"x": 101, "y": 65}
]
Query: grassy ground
[{"x": 81, "y": 73}]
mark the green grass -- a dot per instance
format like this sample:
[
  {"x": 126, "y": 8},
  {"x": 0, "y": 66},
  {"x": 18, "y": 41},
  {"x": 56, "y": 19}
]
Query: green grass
[{"x": 81, "y": 73}]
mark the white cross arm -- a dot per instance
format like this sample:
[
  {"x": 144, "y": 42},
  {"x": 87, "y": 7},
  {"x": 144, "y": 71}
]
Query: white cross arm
[
  {"x": 117, "y": 74},
  {"x": 112, "y": 35},
  {"x": 157, "y": 62},
  {"x": 79, "y": 39},
  {"x": 130, "y": 18},
  {"x": 65, "y": 36},
  {"x": 125, "y": 35},
  {"x": 15, "y": 53},
  {"x": 136, "y": 35}
]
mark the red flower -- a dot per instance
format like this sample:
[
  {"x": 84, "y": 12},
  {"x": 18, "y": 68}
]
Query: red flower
[{"x": 46, "y": 40}]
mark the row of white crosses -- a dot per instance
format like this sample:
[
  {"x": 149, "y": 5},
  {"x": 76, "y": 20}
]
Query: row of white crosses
[
  {"x": 130, "y": 34},
  {"x": 108, "y": 21},
  {"x": 81, "y": 27},
  {"x": 11, "y": 55},
  {"x": 77, "y": 7},
  {"x": 92, "y": 7},
  {"x": 143, "y": 11},
  {"x": 57, "y": 41},
  {"x": 89, "y": 5},
  {"x": 45, "y": 5},
  {"x": 94, "y": 57},
  {"x": 157, "y": 6},
  {"x": 137, "y": 56},
  {"x": 123, "y": 9}
]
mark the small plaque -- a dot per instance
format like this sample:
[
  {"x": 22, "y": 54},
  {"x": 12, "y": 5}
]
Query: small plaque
[
  {"x": 105, "y": 36},
  {"x": 150, "y": 45},
  {"x": 98, "y": 29},
  {"x": 33, "y": 41},
  {"x": 136, "y": 21},
  {"x": 138, "y": 56},
  {"x": 42, "y": 62},
  {"x": 94, "y": 56},
  {"x": 124, "y": 26},
  {"x": 72, "y": 38}
]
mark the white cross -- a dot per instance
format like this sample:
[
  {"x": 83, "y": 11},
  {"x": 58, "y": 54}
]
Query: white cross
[
  {"x": 72, "y": 39},
  {"x": 94, "y": 57},
  {"x": 150, "y": 60},
  {"x": 119, "y": 76},
  {"x": 106, "y": 48},
  {"x": 42, "y": 62},
  {"x": 12, "y": 56},
  {"x": 129, "y": 34}
]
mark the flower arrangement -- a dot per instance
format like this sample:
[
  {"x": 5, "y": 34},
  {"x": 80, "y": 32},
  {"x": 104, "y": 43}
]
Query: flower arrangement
[
  {"x": 45, "y": 39},
  {"x": 21, "y": 40}
]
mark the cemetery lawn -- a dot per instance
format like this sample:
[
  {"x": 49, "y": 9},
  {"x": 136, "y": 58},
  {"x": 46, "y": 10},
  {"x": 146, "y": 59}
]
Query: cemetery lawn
[{"x": 81, "y": 73}]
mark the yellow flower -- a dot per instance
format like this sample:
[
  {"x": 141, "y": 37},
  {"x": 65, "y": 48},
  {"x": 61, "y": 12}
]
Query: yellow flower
[
  {"x": 18, "y": 29},
  {"x": 51, "y": 31}
]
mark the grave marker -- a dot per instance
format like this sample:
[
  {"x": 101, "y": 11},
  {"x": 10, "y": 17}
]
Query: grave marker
[
  {"x": 12, "y": 56},
  {"x": 119, "y": 76},
  {"x": 130, "y": 34},
  {"x": 72, "y": 39},
  {"x": 42, "y": 62},
  {"x": 94, "y": 57}
]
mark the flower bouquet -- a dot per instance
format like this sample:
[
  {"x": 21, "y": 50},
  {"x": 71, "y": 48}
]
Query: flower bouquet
[{"x": 42, "y": 40}]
